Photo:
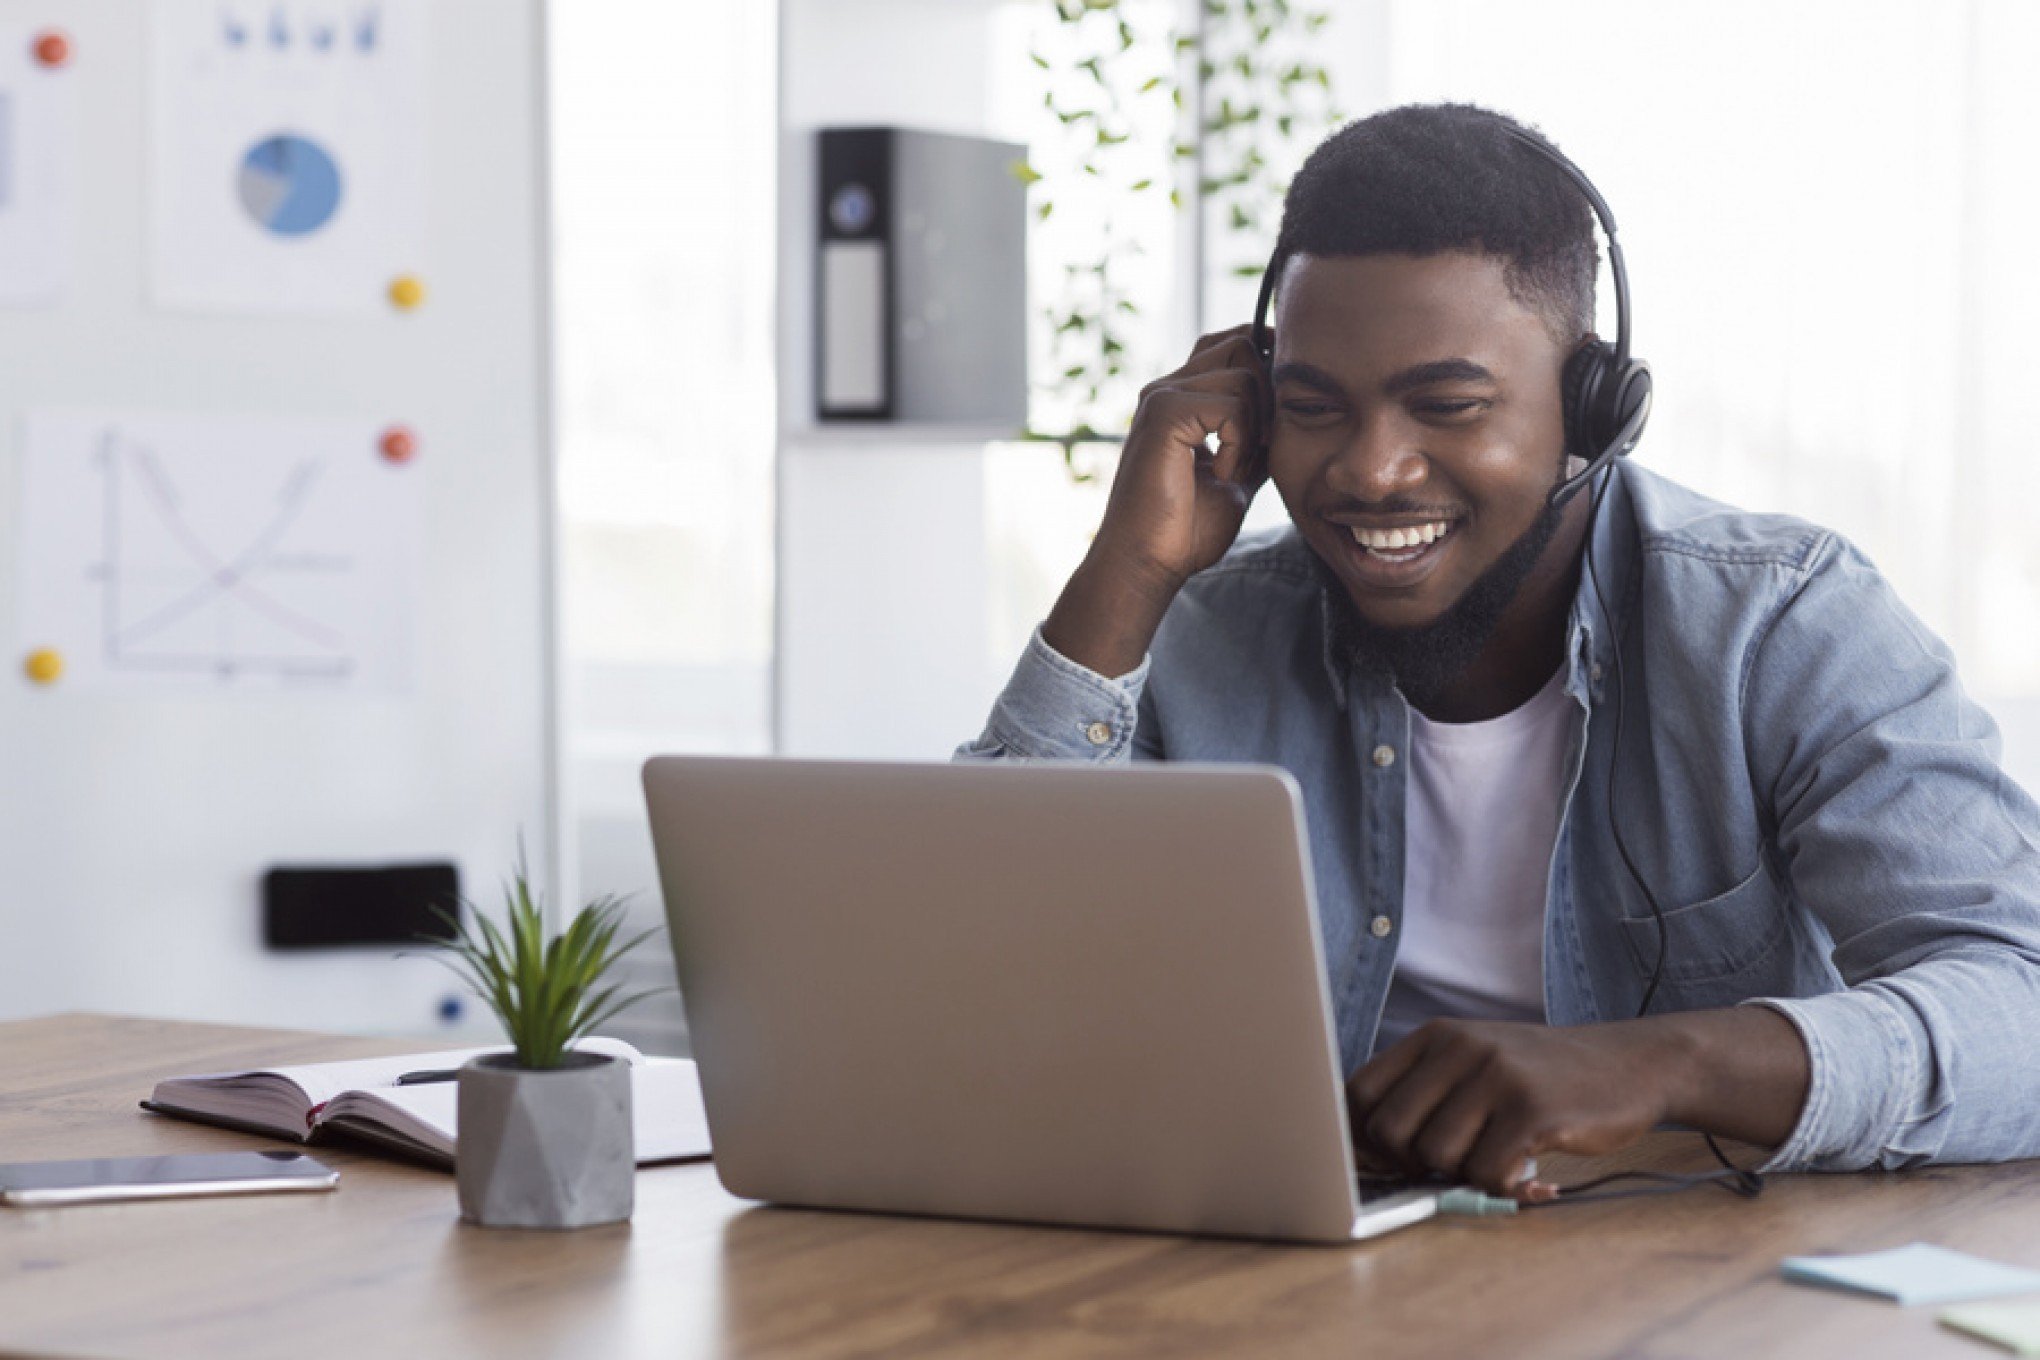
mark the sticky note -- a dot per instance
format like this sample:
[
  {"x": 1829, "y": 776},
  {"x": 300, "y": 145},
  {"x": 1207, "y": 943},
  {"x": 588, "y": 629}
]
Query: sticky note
[
  {"x": 1919, "y": 1273},
  {"x": 2015, "y": 1326}
]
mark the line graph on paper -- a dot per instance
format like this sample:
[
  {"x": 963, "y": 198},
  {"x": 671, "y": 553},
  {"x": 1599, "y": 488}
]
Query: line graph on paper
[{"x": 175, "y": 552}]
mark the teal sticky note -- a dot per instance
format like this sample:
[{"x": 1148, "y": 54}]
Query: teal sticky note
[
  {"x": 1919, "y": 1273},
  {"x": 2015, "y": 1326}
]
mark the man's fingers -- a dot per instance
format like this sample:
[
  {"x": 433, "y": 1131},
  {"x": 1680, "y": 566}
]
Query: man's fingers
[
  {"x": 1367, "y": 1086},
  {"x": 1242, "y": 461},
  {"x": 1232, "y": 381},
  {"x": 1218, "y": 342},
  {"x": 1497, "y": 1161},
  {"x": 1228, "y": 357},
  {"x": 1219, "y": 404},
  {"x": 1392, "y": 1123},
  {"x": 1446, "y": 1139},
  {"x": 1369, "y": 1163},
  {"x": 1228, "y": 349}
]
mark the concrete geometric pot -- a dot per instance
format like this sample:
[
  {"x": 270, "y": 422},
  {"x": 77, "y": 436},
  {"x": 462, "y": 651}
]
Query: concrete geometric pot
[{"x": 545, "y": 1148}]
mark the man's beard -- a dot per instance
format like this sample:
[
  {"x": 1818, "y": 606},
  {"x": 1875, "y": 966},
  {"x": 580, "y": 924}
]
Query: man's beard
[{"x": 1424, "y": 661}]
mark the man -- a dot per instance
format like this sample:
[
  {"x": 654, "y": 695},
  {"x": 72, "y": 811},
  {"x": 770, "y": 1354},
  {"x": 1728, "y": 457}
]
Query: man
[{"x": 1771, "y": 883}]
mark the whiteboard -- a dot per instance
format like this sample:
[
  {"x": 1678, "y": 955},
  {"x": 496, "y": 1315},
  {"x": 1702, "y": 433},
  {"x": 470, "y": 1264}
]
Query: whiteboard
[{"x": 135, "y": 825}]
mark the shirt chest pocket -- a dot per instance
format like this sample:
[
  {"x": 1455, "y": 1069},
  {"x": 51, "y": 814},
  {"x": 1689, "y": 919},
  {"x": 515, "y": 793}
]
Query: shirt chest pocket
[{"x": 1730, "y": 937}]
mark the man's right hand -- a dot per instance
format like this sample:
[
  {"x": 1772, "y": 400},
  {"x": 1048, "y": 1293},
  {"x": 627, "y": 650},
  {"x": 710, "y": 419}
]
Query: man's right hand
[{"x": 1176, "y": 503}]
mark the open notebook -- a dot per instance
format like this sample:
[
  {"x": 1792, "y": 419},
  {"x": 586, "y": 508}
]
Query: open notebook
[{"x": 361, "y": 1099}]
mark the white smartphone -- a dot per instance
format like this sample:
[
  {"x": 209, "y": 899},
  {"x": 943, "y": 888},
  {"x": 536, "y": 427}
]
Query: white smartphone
[{"x": 95, "y": 1180}]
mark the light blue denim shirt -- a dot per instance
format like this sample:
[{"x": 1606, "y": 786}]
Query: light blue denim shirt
[{"x": 1817, "y": 805}]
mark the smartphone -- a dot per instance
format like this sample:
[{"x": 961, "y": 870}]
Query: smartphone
[{"x": 95, "y": 1180}]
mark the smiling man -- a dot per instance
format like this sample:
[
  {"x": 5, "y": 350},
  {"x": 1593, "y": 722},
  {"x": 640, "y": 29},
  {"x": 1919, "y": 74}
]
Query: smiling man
[{"x": 1721, "y": 842}]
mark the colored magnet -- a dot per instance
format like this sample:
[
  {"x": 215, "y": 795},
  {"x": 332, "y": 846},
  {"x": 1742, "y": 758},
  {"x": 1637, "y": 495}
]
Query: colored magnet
[
  {"x": 407, "y": 291},
  {"x": 52, "y": 48},
  {"x": 398, "y": 444},
  {"x": 45, "y": 665}
]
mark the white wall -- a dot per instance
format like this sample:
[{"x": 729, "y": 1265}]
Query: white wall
[
  {"x": 134, "y": 830},
  {"x": 882, "y": 596}
]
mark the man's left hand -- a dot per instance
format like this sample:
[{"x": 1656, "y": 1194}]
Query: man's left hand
[{"x": 1472, "y": 1100}]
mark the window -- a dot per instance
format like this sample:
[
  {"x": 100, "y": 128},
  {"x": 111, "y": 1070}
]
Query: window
[{"x": 663, "y": 169}]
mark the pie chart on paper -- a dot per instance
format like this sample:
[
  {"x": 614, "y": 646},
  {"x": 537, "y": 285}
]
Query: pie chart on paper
[{"x": 289, "y": 185}]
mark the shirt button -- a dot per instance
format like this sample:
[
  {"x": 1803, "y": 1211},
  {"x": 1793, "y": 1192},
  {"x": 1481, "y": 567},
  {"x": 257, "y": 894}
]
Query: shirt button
[
  {"x": 1384, "y": 756},
  {"x": 1099, "y": 733},
  {"x": 1381, "y": 927},
  {"x": 1595, "y": 672}
]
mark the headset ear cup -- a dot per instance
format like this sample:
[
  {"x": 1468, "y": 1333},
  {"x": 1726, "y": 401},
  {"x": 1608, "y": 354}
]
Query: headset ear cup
[
  {"x": 1579, "y": 390},
  {"x": 1628, "y": 394}
]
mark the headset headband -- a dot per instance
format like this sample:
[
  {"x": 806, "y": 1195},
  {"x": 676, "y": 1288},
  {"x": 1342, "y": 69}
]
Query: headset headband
[{"x": 1555, "y": 157}]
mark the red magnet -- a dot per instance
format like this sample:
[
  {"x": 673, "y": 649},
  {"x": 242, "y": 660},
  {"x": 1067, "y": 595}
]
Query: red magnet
[
  {"x": 399, "y": 444},
  {"x": 52, "y": 47}
]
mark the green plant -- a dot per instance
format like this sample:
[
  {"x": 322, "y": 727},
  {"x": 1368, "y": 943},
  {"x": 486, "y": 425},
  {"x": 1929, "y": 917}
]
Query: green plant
[
  {"x": 547, "y": 992},
  {"x": 1114, "y": 99},
  {"x": 1264, "y": 98},
  {"x": 1224, "y": 111}
]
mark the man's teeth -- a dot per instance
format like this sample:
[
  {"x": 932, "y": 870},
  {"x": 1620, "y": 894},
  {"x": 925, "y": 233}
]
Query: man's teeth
[{"x": 1415, "y": 536}]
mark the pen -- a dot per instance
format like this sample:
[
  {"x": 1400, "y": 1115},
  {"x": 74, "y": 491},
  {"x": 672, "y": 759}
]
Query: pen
[{"x": 429, "y": 1075}]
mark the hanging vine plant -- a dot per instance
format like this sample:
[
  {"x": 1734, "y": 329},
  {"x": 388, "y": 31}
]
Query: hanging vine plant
[
  {"x": 1266, "y": 102},
  {"x": 1152, "y": 120}
]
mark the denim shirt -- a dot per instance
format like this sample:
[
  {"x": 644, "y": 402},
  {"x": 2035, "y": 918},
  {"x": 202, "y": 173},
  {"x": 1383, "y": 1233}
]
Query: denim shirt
[{"x": 1816, "y": 804}]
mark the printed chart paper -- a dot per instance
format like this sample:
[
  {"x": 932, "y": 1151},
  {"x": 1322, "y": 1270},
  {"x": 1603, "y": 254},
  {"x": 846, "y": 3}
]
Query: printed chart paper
[
  {"x": 185, "y": 553},
  {"x": 287, "y": 153},
  {"x": 38, "y": 166}
]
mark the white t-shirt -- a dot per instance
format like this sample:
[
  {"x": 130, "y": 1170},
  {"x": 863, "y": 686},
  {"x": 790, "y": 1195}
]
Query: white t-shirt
[{"x": 1479, "y": 826}]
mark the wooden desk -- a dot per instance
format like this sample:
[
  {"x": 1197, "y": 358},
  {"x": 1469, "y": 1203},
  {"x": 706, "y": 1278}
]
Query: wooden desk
[{"x": 383, "y": 1267}]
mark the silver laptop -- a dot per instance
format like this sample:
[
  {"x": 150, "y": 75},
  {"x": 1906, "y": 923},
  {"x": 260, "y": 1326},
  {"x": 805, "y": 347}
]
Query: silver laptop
[{"x": 1034, "y": 992}]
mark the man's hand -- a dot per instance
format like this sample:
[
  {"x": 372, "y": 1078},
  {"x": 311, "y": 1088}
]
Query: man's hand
[
  {"x": 1472, "y": 1100},
  {"x": 1176, "y": 503}
]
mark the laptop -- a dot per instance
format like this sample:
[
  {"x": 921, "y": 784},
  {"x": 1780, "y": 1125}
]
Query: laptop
[{"x": 1030, "y": 992}]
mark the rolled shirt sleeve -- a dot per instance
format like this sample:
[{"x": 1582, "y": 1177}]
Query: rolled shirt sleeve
[
  {"x": 1903, "y": 835},
  {"x": 1054, "y": 709}
]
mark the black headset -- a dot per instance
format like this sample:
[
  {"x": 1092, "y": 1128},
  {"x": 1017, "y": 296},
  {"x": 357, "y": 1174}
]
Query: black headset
[{"x": 1606, "y": 390}]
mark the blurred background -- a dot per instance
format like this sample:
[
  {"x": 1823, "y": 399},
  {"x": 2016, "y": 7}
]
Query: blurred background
[{"x": 1825, "y": 208}]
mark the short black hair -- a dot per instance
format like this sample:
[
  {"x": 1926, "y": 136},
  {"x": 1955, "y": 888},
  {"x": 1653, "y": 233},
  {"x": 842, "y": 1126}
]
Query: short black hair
[{"x": 1426, "y": 178}]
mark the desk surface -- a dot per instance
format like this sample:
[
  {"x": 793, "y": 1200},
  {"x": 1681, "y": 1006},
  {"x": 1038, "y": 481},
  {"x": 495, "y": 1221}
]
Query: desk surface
[{"x": 384, "y": 1267}]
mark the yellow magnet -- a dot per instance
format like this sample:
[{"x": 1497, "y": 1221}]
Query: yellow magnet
[
  {"x": 44, "y": 665},
  {"x": 407, "y": 291}
]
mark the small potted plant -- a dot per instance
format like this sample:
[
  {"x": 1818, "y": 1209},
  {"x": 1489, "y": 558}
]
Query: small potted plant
[{"x": 543, "y": 1137}]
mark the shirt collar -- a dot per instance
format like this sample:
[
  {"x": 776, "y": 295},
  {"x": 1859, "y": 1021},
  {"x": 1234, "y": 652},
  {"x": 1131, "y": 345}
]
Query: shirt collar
[{"x": 1591, "y": 630}]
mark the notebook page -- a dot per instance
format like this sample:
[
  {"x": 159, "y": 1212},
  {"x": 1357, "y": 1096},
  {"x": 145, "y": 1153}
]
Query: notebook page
[
  {"x": 668, "y": 1122},
  {"x": 282, "y": 1097},
  {"x": 666, "y": 1111},
  {"x": 321, "y": 1082}
]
